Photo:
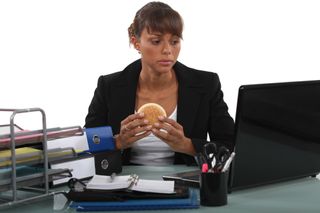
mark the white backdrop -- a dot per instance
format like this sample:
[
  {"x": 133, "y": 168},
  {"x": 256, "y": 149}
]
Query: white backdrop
[{"x": 52, "y": 52}]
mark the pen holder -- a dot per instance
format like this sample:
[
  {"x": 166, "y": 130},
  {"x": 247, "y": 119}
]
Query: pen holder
[{"x": 214, "y": 188}]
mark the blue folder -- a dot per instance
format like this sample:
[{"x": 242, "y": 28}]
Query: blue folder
[
  {"x": 191, "y": 202},
  {"x": 100, "y": 139}
]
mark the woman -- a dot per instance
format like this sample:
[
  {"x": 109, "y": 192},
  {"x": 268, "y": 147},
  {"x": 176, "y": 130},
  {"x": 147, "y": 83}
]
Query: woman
[{"x": 192, "y": 99}]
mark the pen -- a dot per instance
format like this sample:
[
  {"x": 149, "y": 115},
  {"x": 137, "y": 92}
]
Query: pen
[
  {"x": 213, "y": 162},
  {"x": 201, "y": 159},
  {"x": 112, "y": 176},
  {"x": 228, "y": 162}
]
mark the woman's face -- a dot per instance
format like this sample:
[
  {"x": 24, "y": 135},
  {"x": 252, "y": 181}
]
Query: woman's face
[{"x": 159, "y": 52}]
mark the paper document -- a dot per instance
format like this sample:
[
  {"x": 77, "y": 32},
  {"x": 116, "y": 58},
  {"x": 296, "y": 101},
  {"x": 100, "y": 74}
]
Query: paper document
[
  {"x": 26, "y": 137},
  {"x": 5, "y": 129},
  {"x": 80, "y": 168},
  {"x": 26, "y": 155},
  {"x": 130, "y": 182},
  {"x": 77, "y": 142}
]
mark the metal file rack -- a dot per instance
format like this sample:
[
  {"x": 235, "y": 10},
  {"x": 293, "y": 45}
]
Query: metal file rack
[{"x": 38, "y": 179}]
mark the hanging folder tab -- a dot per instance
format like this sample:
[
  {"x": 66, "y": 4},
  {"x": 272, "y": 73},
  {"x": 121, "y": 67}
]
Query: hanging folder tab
[{"x": 100, "y": 139}]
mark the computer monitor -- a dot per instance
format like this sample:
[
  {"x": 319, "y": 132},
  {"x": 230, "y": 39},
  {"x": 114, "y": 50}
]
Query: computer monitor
[{"x": 277, "y": 133}]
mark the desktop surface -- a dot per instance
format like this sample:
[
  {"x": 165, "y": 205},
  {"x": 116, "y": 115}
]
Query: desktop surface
[{"x": 295, "y": 196}]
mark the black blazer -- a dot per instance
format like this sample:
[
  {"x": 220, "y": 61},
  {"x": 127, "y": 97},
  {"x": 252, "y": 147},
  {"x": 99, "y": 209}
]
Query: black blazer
[{"x": 201, "y": 108}]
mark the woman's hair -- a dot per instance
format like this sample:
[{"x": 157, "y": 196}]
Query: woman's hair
[{"x": 156, "y": 17}]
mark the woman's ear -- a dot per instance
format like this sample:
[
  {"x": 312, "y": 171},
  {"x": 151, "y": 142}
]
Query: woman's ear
[{"x": 135, "y": 43}]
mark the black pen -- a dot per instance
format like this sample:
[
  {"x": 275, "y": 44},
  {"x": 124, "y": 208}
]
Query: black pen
[{"x": 201, "y": 160}]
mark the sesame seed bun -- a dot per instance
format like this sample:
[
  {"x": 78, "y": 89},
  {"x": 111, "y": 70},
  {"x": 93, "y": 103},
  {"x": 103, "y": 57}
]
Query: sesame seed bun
[{"x": 152, "y": 111}]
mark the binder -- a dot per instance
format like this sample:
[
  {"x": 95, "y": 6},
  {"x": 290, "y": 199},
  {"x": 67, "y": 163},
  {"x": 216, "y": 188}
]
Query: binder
[
  {"x": 100, "y": 139},
  {"x": 191, "y": 202},
  {"x": 108, "y": 162},
  {"x": 79, "y": 193},
  {"x": 130, "y": 182},
  {"x": 101, "y": 144}
]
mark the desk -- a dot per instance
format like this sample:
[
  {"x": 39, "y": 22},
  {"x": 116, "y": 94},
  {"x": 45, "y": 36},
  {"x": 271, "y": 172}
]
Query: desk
[{"x": 297, "y": 196}]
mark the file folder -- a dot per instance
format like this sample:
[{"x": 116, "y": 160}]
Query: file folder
[{"x": 191, "y": 202}]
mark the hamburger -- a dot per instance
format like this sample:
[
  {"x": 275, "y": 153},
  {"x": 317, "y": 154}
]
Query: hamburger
[{"x": 152, "y": 111}]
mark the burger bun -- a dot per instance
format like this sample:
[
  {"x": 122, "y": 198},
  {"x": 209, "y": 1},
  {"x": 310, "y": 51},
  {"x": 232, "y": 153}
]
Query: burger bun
[{"x": 152, "y": 111}]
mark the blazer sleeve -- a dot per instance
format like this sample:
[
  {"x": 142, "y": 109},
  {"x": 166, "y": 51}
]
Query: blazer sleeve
[
  {"x": 220, "y": 123},
  {"x": 98, "y": 108}
]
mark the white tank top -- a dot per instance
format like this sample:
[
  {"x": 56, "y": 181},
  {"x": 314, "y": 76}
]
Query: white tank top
[{"x": 151, "y": 150}]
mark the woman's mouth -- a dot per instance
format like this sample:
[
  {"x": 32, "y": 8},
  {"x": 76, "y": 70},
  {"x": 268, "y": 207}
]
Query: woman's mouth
[{"x": 165, "y": 62}]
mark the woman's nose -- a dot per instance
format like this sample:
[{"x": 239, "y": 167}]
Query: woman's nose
[{"x": 166, "y": 48}]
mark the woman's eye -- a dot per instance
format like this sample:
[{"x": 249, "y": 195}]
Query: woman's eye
[
  {"x": 174, "y": 42},
  {"x": 155, "y": 42}
]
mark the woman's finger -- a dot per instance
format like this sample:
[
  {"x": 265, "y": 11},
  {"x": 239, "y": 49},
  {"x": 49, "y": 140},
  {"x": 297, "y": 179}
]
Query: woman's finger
[{"x": 132, "y": 117}]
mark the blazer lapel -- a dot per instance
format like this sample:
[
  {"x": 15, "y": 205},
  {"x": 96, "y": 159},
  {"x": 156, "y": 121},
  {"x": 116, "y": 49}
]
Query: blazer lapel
[
  {"x": 125, "y": 93},
  {"x": 188, "y": 103},
  {"x": 189, "y": 97}
]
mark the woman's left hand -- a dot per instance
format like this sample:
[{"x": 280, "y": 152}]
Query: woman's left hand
[{"x": 173, "y": 135}]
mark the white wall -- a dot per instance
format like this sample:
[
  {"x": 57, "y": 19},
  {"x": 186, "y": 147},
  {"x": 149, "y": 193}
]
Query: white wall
[{"x": 52, "y": 52}]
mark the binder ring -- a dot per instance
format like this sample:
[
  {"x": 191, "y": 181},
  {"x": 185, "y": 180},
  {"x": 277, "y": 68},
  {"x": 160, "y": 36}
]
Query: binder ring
[
  {"x": 96, "y": 139},
  {"x": 104, "y": 164}
]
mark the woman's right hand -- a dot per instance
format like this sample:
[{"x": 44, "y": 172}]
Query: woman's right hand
[{"x": 132, "y": 128}]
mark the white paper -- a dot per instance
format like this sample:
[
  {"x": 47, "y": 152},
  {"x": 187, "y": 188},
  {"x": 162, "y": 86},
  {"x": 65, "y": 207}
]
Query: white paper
[
  {"x": 157, "y": 186},
  {"x": 80, "y": 168},
  {"x": 106, "y": 183},
  {"x": 5, "y": 129},
  {"x": 76, "y": 142},
  {"x": 122, "y": 182}
]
